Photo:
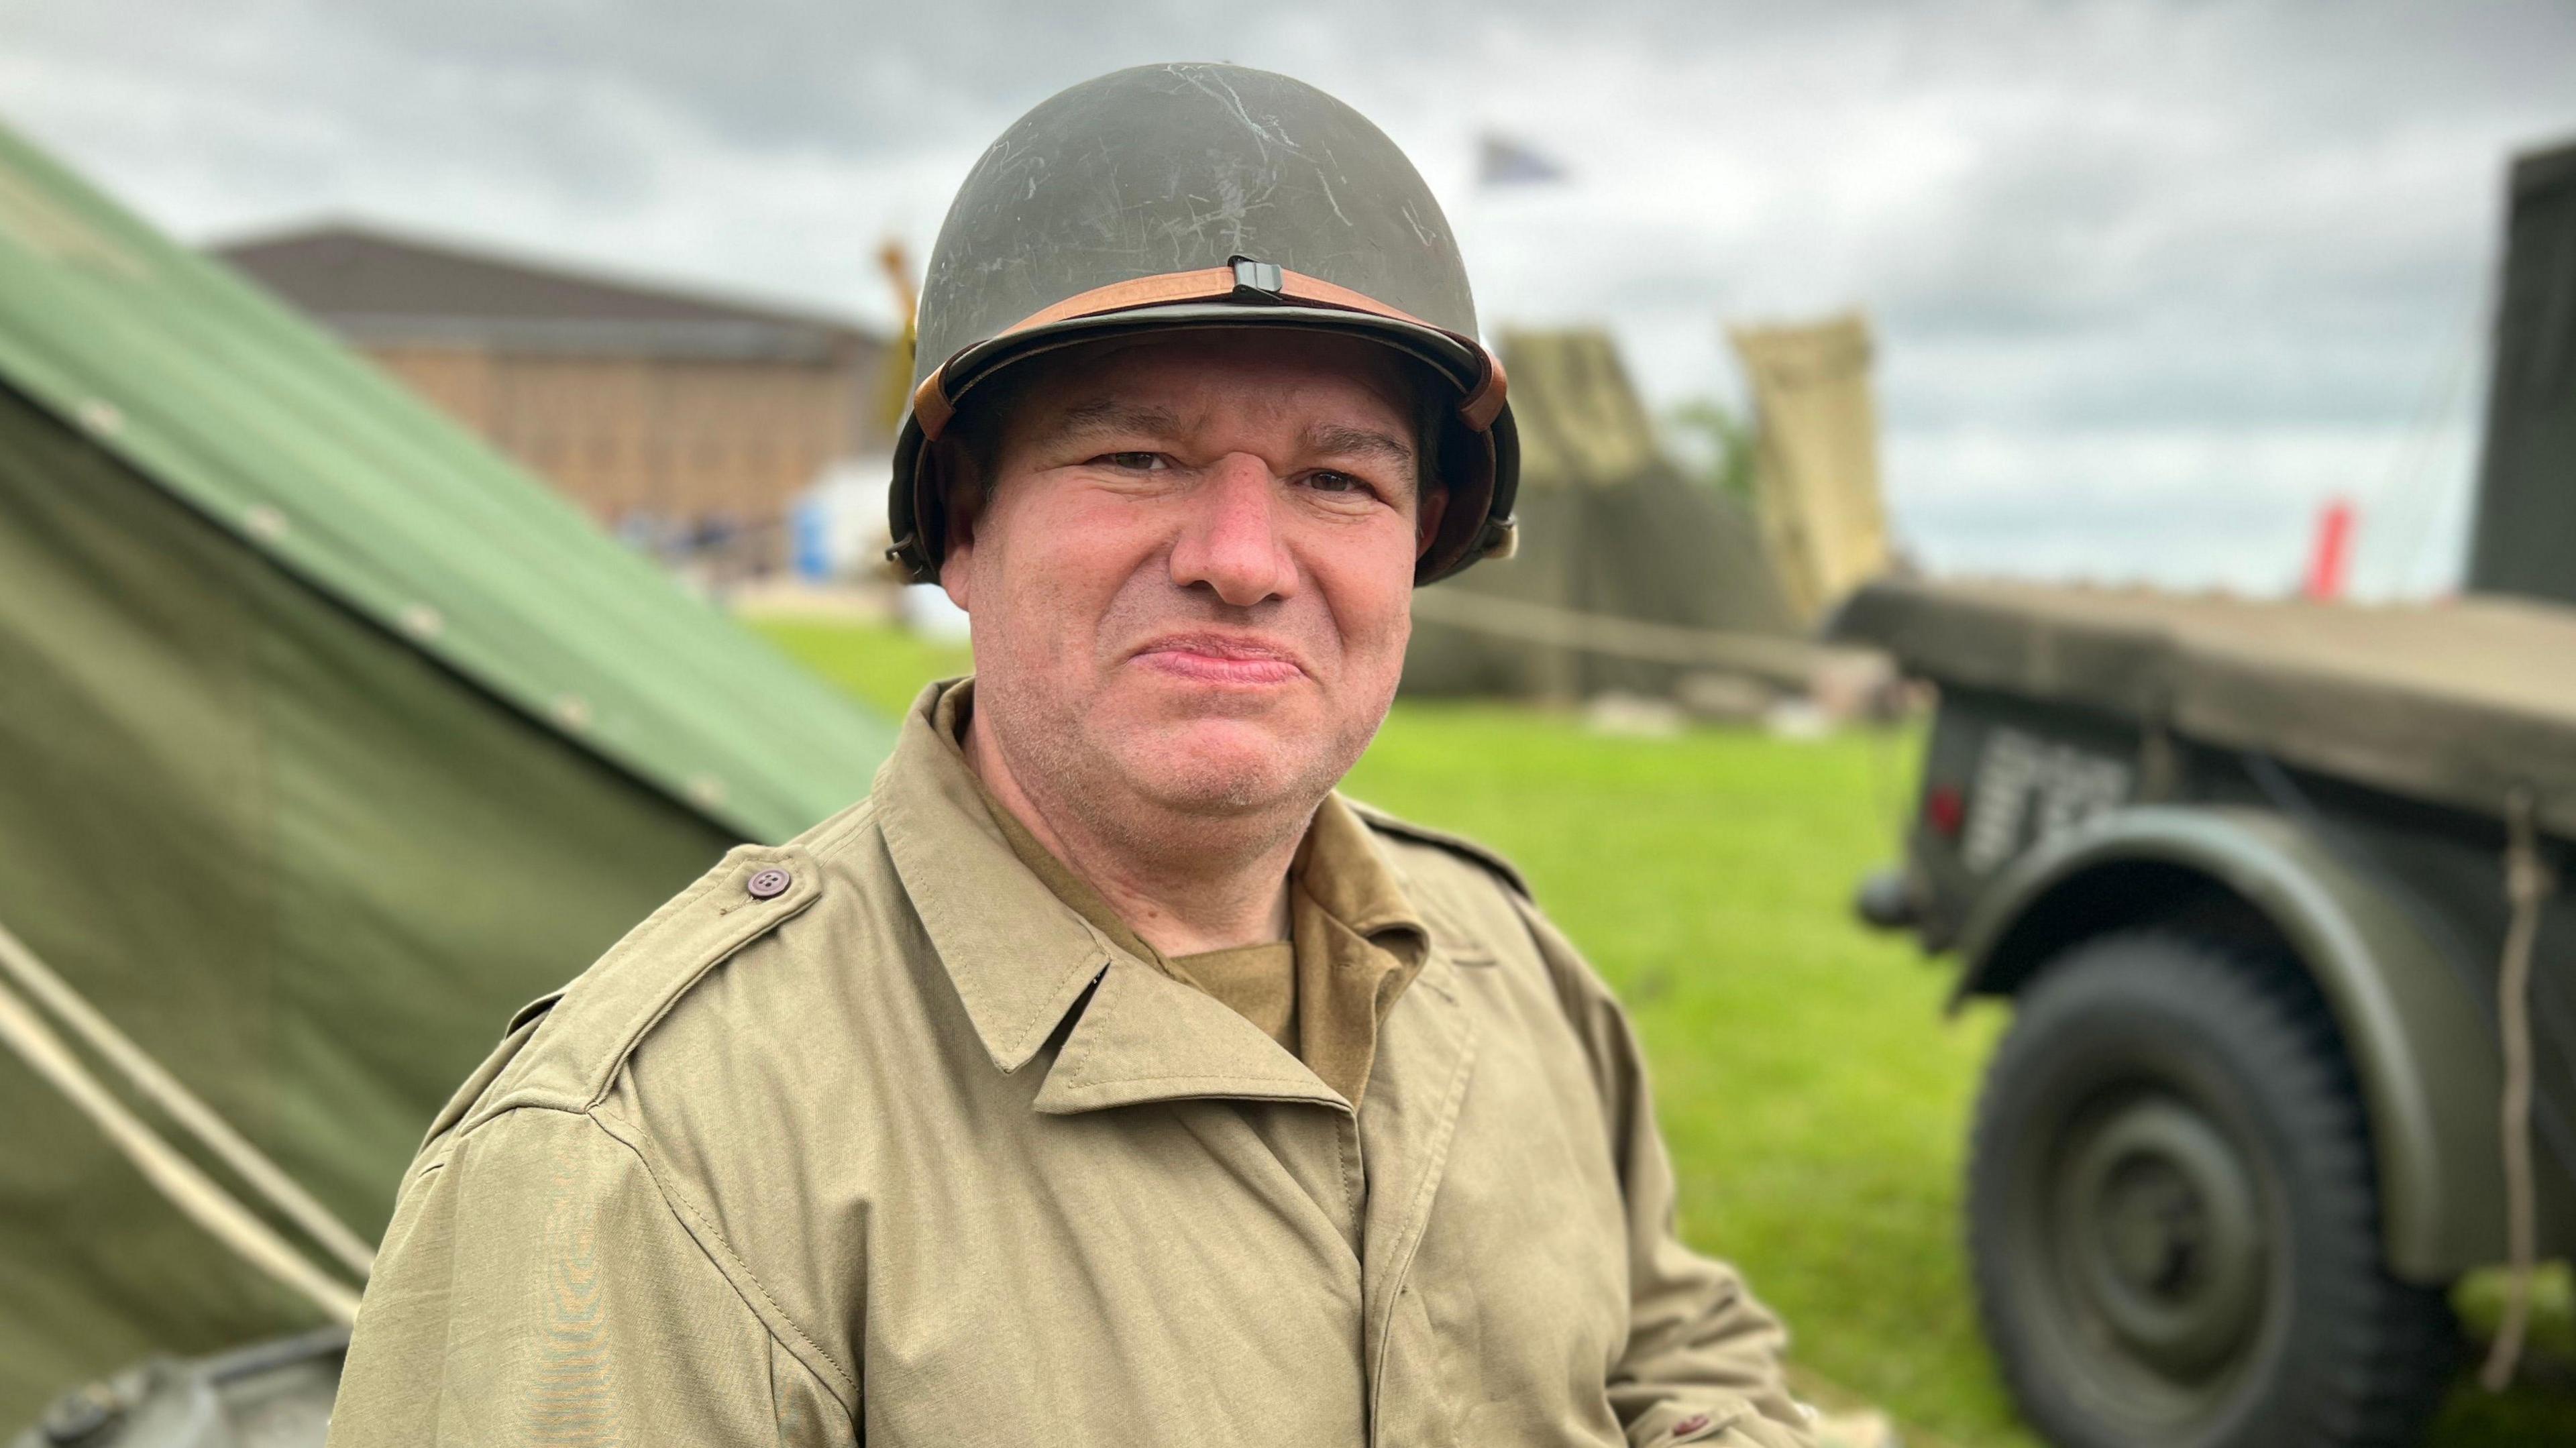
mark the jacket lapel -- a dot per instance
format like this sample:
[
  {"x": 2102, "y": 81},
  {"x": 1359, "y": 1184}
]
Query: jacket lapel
[
  {"x": 1021, "y": 959},
  {"x": 1144, "y": 1036}
]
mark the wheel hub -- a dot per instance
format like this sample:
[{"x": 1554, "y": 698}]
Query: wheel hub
[
  {"x": 2161, "y": 1236},
  {"x": 2154, "y": 1224}
]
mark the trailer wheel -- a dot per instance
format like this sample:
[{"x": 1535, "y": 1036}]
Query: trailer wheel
[{"x": 2174, "y": 1217}]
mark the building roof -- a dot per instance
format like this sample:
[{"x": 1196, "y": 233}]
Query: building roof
[
  {"x": 372, "y": 285},
  {"x": 276, "y": 432}
]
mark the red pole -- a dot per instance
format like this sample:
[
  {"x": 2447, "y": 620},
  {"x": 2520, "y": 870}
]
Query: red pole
[{"x": 2329, "y": 565}]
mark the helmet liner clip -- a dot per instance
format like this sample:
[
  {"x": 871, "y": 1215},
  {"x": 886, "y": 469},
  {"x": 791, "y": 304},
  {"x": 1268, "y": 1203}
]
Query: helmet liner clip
[{"x": 1261, "y": 281}]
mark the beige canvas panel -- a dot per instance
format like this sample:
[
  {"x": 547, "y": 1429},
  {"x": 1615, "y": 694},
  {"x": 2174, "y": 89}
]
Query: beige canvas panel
[
  {"x": 1816, "y": 471},
  {"x": 1581, "y": 422}
]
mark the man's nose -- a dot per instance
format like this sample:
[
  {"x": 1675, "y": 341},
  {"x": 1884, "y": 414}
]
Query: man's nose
[{"x": 1230, "y": 540}]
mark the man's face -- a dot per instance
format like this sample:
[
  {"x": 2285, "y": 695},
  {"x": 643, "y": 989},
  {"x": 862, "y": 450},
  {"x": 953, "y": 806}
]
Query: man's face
[{"x": 1189, "y": 571}]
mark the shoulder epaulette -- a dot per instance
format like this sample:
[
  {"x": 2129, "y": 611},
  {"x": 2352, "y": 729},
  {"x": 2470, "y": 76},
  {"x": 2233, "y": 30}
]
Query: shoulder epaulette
[
  {"x": 1459, "y": 845},
  {"x": 583, "y": 1036}
]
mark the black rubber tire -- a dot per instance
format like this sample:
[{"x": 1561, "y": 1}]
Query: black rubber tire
[{"x": 2143, "y": 1060}]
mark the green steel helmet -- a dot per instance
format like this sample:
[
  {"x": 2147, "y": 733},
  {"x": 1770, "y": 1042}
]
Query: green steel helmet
[{"x": 1175, "y": 196}]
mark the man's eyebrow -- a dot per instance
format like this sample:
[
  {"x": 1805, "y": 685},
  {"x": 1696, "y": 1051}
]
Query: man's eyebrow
[
  {"x": 1342, "y": 440},
  {"x": 1108, "y": 414}
]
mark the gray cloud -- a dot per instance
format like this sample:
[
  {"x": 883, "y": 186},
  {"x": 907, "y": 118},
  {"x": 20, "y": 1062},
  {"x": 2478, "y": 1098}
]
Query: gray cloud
[{"x": 2152, "y": 278}]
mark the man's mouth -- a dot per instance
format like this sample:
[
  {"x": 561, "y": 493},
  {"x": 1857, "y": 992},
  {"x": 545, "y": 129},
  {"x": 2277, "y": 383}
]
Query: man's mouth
[{"x": 1210, "y": 658}]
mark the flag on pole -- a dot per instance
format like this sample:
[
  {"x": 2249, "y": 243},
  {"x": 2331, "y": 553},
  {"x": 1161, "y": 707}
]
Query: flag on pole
[{"x": 1503, "y": 161}]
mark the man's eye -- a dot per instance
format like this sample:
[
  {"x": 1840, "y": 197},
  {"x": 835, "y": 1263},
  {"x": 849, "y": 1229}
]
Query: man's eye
[
  {"x": 1143, "y": 462},
  {"x": 1336, "y": 483}
]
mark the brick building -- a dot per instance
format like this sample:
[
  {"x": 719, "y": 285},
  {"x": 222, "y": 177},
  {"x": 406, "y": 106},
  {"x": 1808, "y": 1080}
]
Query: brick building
[{"x": 682, "y": 421}]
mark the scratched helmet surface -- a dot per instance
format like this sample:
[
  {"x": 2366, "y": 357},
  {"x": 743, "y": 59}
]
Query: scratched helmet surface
[{"x": 1173, "y": 196}]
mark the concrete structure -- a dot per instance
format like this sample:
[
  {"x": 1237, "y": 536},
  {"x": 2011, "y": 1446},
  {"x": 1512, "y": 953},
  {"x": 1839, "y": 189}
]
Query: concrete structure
[{"x": 685, "y": 422}]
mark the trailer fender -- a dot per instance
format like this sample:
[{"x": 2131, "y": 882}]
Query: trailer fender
[{"x": 2418, "y": 1039}]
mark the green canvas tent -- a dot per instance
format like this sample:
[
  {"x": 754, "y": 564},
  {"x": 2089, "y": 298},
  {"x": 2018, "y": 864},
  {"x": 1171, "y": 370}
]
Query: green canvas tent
[
  {"x": 327, "y": 738},
  {"x": 1611, "y": 531},
  {"x": 2524, "y": 540}
]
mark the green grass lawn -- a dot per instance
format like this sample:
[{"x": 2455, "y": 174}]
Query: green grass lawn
[{"x": 1815, "y": 1099}]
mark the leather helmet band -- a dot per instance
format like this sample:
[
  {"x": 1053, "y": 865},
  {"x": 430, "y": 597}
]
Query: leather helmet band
[{"x": 1242, "y": 279}]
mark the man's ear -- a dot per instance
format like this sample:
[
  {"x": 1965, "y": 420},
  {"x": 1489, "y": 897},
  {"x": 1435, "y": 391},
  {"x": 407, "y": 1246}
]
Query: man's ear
[
  {"x": 959, "y": 487},
  {"x": 1430, "y": 505}
]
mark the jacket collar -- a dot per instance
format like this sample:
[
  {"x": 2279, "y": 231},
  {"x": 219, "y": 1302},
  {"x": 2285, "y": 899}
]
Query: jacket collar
[
  {"x": 1022, "y": 960},
  {"x": 1362, "y": 890},
  {"x": 1019, "y": 957}
]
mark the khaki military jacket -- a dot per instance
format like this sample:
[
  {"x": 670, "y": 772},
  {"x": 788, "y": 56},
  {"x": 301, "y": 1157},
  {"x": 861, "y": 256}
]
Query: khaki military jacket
[{"x": 869, "y": 1138}]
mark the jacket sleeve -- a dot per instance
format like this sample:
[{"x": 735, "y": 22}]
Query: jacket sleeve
[
  {"x": 535, "y": 1287},
  {"x": 1703, "y": 1360}
]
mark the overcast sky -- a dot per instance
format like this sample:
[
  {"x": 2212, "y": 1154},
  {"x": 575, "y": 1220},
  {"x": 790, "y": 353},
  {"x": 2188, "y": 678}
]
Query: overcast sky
[{"x": 2153, "y": 280}]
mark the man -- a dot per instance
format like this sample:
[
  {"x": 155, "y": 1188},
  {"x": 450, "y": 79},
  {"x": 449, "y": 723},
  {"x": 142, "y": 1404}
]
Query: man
[{"x": 1103, "y": 1078}]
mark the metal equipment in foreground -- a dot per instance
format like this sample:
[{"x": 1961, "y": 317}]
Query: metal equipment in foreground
[{"x": 270, "y": 1395}]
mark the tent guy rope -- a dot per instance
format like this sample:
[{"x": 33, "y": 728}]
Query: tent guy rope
[
  {"x": 188, "y": 1187},
  {"x": 1779, "y": 659},
  {"x": 2528, "y": 884}
]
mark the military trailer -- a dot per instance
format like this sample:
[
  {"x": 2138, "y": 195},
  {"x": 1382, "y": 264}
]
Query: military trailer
[
  {"x": 2273, "y": 890},
  {"x": 2243, "y": 870}
]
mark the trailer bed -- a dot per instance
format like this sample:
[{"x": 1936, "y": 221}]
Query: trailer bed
[{"x": 2458, "y": 702}]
